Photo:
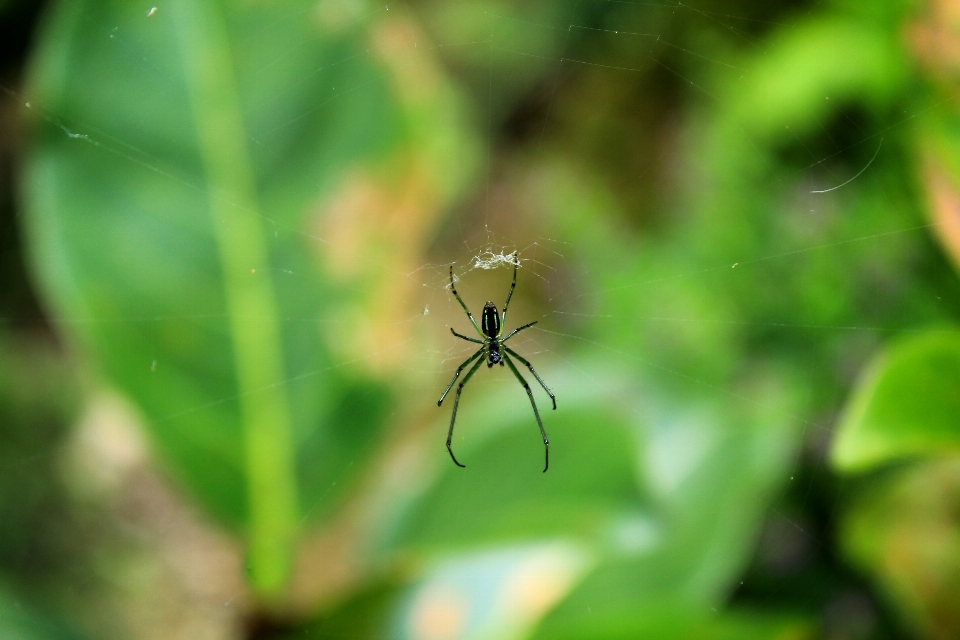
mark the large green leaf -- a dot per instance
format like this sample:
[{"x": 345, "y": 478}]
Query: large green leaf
[
  {"x": 648, "y": 503},
  {"x": 907, "y": 403},
  {"x": 173, "y": 187}
]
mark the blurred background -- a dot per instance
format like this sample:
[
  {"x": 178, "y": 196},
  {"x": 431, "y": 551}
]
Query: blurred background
[{"x": 225, "y": 236}]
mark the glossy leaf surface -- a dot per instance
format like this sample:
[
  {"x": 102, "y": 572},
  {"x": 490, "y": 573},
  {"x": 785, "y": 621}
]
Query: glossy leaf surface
[
  {"x": 172, "y": 196},
  {"x": 907, "y": 404}
]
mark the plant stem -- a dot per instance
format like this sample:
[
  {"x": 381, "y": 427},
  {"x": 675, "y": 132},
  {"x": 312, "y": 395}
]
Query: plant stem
[{"x": 250, "y": 298}]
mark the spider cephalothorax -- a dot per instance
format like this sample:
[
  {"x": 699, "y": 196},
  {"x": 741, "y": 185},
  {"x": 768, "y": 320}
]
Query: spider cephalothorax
[{"x": 496, "y": 352}]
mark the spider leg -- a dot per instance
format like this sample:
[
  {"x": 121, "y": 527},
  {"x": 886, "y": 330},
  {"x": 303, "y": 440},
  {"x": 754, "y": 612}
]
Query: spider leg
[
  {"x": 457, "y": 375},
  {"x": 518, "y": 330},
  {"x": 453, "y": 288},
  {"x": 539, "y": 379},
  {"x": 546, "y": 441},
  {"x": 465, "y": 337},
  {"x": 456, "y": 403},
  {"x": 513, "y": 285}
]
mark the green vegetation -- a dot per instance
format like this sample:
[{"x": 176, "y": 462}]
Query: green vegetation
[{"x": 225, "y": 321}]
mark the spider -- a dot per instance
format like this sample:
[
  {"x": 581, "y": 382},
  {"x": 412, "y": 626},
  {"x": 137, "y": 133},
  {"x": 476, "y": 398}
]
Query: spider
[{"x": 495, "y": 351}]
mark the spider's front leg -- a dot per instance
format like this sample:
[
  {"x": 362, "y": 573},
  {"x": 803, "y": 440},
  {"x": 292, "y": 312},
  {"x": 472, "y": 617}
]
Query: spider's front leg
[
  {"x": 513, "y": 285},
  {"x": 453, "y": 287}
]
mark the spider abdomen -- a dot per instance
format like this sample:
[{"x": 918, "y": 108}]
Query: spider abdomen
[{"x": 490, "y": 321}]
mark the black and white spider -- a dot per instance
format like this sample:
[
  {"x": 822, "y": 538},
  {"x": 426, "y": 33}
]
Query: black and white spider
[{"x": 496, "y": 352}]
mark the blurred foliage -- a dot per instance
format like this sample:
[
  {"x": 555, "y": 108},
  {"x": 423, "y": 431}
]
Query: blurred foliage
[
  {"x": 898, "y": 438},
  {"x": 903, "y": 527},
  {"x": 233, "y": 213},
  {"x": 907, "y": 406},
  {"x": 206, "y": 377},
  {"x": 903, "y": 531},
  {"x": 20, "y": 623},
  {"x": 38, "y": 398}
]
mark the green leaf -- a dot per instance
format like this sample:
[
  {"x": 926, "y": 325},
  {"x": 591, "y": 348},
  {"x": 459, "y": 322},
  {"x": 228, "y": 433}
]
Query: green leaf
[
  {"x": 907, "y": 403},
  {"x": 251, "y": 303},
  {"x": 172, "y": 200},
  {"x": 648, "y": 502},
  {"x": 666, "y": 623},
  {"x": 806, "y": 71}
]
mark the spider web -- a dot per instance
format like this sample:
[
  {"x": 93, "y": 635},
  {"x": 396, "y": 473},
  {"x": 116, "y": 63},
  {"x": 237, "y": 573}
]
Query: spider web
[{"x": 493, "y": 233}]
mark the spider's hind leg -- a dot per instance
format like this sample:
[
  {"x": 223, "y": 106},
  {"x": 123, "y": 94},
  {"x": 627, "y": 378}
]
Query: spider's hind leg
[
  {"x": 457, "y": 374},
  {"x": 539, "y": 379},
  {"x": 543, "y": 432},
  {"x": 456, "y": 404}
]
